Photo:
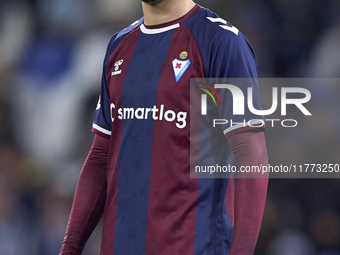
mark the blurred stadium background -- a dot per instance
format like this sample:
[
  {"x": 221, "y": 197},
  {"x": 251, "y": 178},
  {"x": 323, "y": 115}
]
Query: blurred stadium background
[{"x": 51, "y": 54}]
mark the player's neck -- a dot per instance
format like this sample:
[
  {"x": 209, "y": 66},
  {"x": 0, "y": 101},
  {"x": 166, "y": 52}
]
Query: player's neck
[{"x": 166, "y": 11}]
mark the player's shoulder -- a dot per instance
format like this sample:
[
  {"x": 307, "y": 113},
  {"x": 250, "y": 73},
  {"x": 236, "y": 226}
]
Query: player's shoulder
[
  {"x": 118, "y": 37},
  {"x": 208, "y": 26},
  {"x": 219, "y": 40}
]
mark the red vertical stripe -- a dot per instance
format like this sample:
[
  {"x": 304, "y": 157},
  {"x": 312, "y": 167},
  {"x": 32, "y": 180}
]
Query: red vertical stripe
[
  {"x": 115, "y": 85},
  {"x": 173, "y": 194}
]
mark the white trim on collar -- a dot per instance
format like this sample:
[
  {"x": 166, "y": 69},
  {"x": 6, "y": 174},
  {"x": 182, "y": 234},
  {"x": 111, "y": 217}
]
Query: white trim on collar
[{"x": 158, "y": 30}]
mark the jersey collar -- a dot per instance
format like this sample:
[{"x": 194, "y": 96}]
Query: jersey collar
[{"x": 156, "y": 29}]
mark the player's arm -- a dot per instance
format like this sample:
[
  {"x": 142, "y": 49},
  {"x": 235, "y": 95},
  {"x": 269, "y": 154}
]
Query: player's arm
[
  {"x": 89, "y": 200},
  {"x": 249, "y": 148},
  {"x": 232, "y": 57}
]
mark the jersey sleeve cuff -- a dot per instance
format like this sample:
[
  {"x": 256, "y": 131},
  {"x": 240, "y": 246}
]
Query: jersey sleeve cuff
[
  {"x": 239, "y": 129},
  {"x": 101, "y": 131}
]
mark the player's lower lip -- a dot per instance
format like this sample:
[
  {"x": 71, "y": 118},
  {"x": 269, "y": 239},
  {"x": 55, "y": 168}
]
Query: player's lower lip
[{"x": 152, "y": 2}]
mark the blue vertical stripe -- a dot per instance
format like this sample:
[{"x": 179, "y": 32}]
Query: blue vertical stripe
[
  {"x": 213, "y": 225},
  {"x": 214, "y": 228},
  {"x": 205, "y": 223},
  {"x": 135, "y": 153}
]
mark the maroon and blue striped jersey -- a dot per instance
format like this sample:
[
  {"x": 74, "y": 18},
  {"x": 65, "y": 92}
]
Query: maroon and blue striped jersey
[{"x": 152, "y": 204}]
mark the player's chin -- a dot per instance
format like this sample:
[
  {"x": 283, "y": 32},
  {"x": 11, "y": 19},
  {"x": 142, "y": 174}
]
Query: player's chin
[{"x": 152, "y": 2}]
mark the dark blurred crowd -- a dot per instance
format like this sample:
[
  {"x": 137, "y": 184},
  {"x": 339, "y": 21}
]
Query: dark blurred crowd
[{"x": 51, "y": 54}]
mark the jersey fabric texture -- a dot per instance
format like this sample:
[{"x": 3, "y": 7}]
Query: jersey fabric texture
[{"x": 153, "y": 206}]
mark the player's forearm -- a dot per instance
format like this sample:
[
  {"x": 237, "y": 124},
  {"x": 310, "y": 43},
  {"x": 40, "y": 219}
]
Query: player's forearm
[
  {"x": 89, "y": 200},
  {"x": 250, "y": 193}
]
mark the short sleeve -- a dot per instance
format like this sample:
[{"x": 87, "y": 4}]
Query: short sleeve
[
  {"x": 102, "y": 122},
  {"x": 102, "y": 118},
  {"x": 233, "y": 63}
]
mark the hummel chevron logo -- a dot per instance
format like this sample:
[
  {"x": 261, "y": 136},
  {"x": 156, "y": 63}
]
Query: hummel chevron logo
[{"x": 226, "y": 27}]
